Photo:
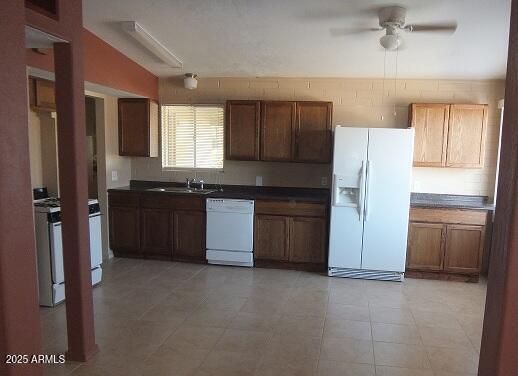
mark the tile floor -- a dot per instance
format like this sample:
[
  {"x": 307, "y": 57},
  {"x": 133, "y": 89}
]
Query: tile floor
[{"x": 161, "y": 318}]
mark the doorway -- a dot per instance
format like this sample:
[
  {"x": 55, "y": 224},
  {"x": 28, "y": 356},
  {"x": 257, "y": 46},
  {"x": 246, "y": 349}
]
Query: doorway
[{"x": 91, "y": 147}]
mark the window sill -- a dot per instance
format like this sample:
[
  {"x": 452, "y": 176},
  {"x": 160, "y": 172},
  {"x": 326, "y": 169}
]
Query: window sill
[{"x": 190, "y": 169}]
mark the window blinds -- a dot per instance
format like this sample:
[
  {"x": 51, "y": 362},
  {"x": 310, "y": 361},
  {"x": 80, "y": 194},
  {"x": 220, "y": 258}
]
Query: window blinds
[{"x": 192, "y": 136}]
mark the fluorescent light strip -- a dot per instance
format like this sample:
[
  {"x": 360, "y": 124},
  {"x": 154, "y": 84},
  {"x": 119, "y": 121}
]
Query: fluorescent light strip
[{"x": 147, "y": 40}]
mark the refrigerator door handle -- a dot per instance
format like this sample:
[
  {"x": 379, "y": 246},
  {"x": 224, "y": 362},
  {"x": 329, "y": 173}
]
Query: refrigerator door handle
[
  {"x": 368, "y": 189},
  {"x": 361, "y": 195}
]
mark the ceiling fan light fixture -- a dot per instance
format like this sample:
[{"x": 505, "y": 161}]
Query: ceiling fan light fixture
[{"x": 390, "y": 41}]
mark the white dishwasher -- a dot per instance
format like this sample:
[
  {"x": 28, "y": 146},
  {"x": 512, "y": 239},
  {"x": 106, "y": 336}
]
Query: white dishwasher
[{"x": 230, "y": 232}]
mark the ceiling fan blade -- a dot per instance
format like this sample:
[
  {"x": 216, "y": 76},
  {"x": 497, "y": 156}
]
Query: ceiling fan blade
[
  {"x": 343, "y": 31},
  {"x": 445, "y": 27}
]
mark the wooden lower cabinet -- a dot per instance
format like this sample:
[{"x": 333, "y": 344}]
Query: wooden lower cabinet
[
  {"x": 157, "y": 226},
  {"x": 464, "y": 246},
  {"x": 271, "y": 237},
  {"x": 450, "y": 249},
  {"x": 189, "y": 235},
  {"x": 426, "y": 246},
  {"x": 155, "y": 231},
  {"x": 125, "y": 230},
  {"x": 307, "y": 239},
  {"x": 290, "y": 234}
]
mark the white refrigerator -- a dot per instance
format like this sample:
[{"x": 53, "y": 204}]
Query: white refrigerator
[{"x": 372, "y": 169}]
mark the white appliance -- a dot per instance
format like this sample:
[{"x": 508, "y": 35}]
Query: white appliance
[
  {"x": 230, "y": 232},
  {"x": 372, "y": 169},
  {"x": 51, "y": 275}
]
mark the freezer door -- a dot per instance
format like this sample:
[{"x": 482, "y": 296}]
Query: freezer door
[
  {"x": 346, "y": 229},
  {"x": 387, "y": 199}
]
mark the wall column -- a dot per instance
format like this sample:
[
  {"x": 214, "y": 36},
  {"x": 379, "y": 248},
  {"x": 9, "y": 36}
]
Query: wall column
[
  {"x": 19, "y": 311},
  {"x": 498, "y": 354},
  {"x": 73, "y": 184}
]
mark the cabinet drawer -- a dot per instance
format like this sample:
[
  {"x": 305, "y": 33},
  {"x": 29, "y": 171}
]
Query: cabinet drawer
[
  {"x": 188, "y": 203},
  {"x": 453, "y": 216},
  {"x": 123, "y": 199},
  {"x": 291, "y": 208},
  {"x": 158, "y": 201}
]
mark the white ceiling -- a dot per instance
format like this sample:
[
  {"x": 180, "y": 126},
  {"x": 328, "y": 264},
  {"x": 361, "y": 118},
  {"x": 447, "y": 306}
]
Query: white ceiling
[{"x": 292, "y": 38}]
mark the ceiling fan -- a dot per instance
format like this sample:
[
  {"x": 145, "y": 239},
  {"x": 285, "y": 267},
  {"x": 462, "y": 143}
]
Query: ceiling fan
[{"x": 392, "y": 19}]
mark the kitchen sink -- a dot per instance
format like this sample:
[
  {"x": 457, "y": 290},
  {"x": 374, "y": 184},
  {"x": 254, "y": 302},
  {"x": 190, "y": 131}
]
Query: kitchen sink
[{"x": 182, "y": 190}]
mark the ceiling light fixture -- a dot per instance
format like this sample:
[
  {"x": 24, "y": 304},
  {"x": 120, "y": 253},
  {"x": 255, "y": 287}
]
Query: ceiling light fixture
[
  {"x": 147, "y": 40},
  {"x": 190, "y": 82}
]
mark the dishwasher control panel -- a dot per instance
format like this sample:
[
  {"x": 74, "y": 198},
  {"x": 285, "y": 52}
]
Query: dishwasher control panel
[{"x": 230, "y": 205}]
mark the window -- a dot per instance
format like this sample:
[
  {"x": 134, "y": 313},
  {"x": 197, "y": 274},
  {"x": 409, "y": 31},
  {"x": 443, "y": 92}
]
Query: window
[{"x": 192, "y": 136}]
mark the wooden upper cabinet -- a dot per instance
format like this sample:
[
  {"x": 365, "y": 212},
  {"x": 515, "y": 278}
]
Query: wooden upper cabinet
[
  {"x": 280, "y": 131},
  {"x": 426, "y": 246},
  {"x": 313, "y": 132},
  {"x": 48, "y": 8},
  {"x": 242, "y": 122},
  {"x": 308, "y": 239},
  {"x": 42, "y": 95},
  {"x": 431, "y": 132},
  {"x": 449, "y": 135},
  {"x": 277, "y": 130},
  {"x": 466, "y": 135},
  {"x": 138, "y": 127},
  {"x": 464, "y": 246}
]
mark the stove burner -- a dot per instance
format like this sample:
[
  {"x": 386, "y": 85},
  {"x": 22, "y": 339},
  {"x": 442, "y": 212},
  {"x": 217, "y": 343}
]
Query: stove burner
[{"x": 52, "y": 202}]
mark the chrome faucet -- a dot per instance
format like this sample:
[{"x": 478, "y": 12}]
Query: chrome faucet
[{"x": 190, "y": 182}]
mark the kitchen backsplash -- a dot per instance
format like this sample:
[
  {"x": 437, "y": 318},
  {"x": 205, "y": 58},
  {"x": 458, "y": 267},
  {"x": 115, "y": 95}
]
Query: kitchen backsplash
[{"x": 356, "y": 102}]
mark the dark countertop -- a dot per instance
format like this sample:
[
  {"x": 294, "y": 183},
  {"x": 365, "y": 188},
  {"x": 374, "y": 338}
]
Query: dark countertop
[
  {"x": 236, "y": 191},
  {"x": 432, "y": 200}
]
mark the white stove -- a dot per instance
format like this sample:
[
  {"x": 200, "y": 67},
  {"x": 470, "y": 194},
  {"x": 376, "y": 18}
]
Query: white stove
[{"x": 51, "y": 276}]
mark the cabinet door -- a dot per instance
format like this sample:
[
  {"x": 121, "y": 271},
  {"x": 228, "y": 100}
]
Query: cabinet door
[
  {"x": 430, "y": 122},
  {"x": 466, "y": 135},
  {"x": 124, "y": 229},
  {"x": 136, "y": 126},
  {"x": 189, "y": 234},
  {"x": 43, "y": 96},
  {"x": 464, "y": 246},
  {"x": 156, "y": 231},
  {"x": 313, "y": 132},
  {"x": 308, "y": 239},
  {"x": 425, "y": 246},
  {"x": 271, "y": 237},
  {"x": 277, "y": 130},
  {"x": 243, "y": 122}
]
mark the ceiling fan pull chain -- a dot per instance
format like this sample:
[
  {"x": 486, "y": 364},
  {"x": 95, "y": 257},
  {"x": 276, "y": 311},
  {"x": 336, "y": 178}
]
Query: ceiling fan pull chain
[
  {"x": 395, "y": 82},
  {"x": 383, "y": 82}
]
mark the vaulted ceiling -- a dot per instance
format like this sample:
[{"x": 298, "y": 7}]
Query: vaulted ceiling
[{"x": 293, "y": 38}]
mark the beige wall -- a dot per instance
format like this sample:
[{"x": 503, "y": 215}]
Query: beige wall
[{"x": 357, "y": 102}]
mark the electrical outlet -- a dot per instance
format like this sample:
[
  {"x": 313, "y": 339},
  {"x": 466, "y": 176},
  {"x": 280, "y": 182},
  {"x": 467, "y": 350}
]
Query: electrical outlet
[
  {"x": 323, "y": 181},
  {"x": 259, "y": 181},
  {"x": 115, "y": 175}
]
